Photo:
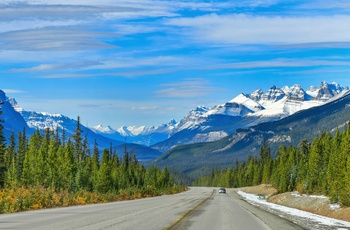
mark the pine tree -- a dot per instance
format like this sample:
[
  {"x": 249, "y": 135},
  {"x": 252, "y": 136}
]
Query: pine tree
[
  {"x": 315, "y": 164},
  {"x": 164, "y": 179},
  {"x": 2, "y": 151},
  {"x": 78, "y": 149},
  {"x": 95, "y": 166},
  {"x": 52, "y": 167},
  {"x": 31, "y": 159},
  {"x": 336, "y": 168},
  {"x": 104, "y": 175},
  {"x": 345, "y": 198},
  {"x": 265, "y": 156},
  {"x": 22, "y": 150},
  {"x": 304, "y": 152},
  {"x": 344, "y": 169},
  {"x": 68, "y": 167}
]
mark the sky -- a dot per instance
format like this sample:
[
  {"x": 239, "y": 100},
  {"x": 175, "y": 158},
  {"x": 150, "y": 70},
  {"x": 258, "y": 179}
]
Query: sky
[{"x": 145, "y": 62}]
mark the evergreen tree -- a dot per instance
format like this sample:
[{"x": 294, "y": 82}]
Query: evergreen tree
[
  {"x": 22, "y": 150},
  {"x": 265, "y": 156},
  {"x": 31, "y": 160},
  {"x": 2, "y": 151},
  {"x": 68, "y": 167},
  {"x": 104, "y": 175},
  {"x": 51, "y": 162},
  {"x": 336, "y": 168},
  {"x": 95, "y": 166},
  {"x": 304, "y": 152},
  {"x": 77, "y": 137},
  {"x": 10, "y": 161},
  {"x": 315, "y": 164}
]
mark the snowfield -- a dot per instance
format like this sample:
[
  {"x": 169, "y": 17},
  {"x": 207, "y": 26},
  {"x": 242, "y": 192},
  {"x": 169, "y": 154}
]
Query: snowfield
[{"x": 305, "y": 219}]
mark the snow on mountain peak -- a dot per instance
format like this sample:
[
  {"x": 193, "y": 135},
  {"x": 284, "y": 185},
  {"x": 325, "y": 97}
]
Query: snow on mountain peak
[
  {"x": 246, "y": 101},
  {"x": 131, "y": 130},
  {"x": 256, "y": 95},
  {"x": 103, "y": 129},
  {"x": 273, "y": 94},
  {"x": 15, "y": 105},
  {"x": 296, "y": 92}
]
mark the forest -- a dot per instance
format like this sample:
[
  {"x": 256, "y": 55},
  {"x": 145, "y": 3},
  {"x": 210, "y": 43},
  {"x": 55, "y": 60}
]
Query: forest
[
  {"x": 318, "y": 167},
  {"x": 50, "y": 170}
]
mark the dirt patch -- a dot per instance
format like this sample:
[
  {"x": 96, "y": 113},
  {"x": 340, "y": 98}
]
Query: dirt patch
[
  {"x": 315, "y": 204},
  {"x": 264, "y": 189}
]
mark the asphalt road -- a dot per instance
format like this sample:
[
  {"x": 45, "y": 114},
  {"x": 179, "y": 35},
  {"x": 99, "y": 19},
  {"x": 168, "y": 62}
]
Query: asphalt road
[{"x": 198, "y": 208}]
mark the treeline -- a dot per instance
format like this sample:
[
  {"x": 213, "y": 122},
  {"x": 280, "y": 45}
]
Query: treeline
[
  {"x": 50, "y": 163},
  {"x": 319, "y": 167}
]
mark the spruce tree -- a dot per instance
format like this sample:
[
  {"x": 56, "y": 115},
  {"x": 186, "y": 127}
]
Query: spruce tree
[
  {"x": 77, "y": 137},
  {"x": 315, "y": 164},
  {"x": 22, "y": 150},
  {"x": 31, "y": 160},
  {"x": 336, "y": 168},
  {"x": 104, "y": 175},
  {"x": 2, "y": 150}
]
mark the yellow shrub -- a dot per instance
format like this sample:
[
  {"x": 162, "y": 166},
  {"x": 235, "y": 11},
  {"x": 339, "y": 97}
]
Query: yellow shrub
[{"x": 79, "y": 201}]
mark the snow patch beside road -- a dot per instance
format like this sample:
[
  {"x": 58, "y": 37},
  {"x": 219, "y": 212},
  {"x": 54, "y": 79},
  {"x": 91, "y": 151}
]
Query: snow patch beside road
[{"x": 305, "y": 219}]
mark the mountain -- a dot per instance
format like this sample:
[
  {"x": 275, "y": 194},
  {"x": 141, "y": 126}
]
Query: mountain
[
  {"x": 246, "y": 110},
  {"x": 13, "y": 122},
  {"x": 200, "y": 158},
  {"x": 43, "y": 120},
  {"x": 17, "y": 118},
  {"x": 201, "y": 124},
  {"x": 139, "y": 135}
]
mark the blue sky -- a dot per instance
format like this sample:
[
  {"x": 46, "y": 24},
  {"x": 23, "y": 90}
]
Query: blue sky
[{"x": 144, "y": 62}]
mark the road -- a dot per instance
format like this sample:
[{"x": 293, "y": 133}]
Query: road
[{"x": 198, "y": 208}]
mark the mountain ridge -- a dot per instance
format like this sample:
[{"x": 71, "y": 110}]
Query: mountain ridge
[
  {"x": 201, "y": 124},
  {"x": 200, "y": 158},
  {"x": 274, "y": 104}
]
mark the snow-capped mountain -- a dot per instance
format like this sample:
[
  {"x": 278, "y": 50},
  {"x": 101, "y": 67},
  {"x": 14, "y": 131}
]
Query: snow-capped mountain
[
  {"x": 13, "y": 122},
  {"x": 200, "y": 124},
  {"x": 140, "y": 135},
  {"x": 246, "y": 110},
  {"x": 43, "y": 120},
  {"x": 275, "y": 104}
]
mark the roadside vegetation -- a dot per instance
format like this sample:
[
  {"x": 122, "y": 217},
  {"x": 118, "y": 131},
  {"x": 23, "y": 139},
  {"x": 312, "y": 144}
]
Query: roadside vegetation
[
  {"x": 320, "y": 167},
  {"x": 49, "y": 170}
]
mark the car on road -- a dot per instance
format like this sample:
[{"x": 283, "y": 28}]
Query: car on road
[{"x": 222, "y": 190}]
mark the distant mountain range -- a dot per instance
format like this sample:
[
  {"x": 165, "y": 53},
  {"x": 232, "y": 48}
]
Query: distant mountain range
[
  {"x": 246, "y": 110},
  {"x": 203, "y": 124},
  {"x": 199, "y": 125},
  {"x": 200, "y": 158},
  {"x": 17, "y": 119}
]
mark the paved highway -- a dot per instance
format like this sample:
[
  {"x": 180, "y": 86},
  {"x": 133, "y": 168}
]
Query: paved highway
[{"x": 198, "y": 208}]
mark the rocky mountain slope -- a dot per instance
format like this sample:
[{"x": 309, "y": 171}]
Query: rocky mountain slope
[
  {"x": 248, "y": 110},
  {"x": 199, "y": 125},
  {"x": 196, "y": 159},
  {"x": 16, "y": 119}
]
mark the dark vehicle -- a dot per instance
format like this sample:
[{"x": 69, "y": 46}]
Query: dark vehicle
[{"x": 222, "y": 190}]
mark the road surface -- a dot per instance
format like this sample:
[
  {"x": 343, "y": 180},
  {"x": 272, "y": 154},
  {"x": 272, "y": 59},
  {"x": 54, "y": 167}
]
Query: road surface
[{"x": 198, "y": 208}]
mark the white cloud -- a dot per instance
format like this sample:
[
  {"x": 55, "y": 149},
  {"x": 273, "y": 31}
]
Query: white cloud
[
  {"x": 7, "y": 91},
  {"x": 249, "y": 29},
  {"x": 189, "y": 88},
  {"x": 61, "y": 66},
  {"x": 68, "y": 38}
]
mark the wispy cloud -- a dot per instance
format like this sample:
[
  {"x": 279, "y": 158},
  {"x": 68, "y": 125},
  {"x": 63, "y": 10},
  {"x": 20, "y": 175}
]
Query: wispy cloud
[
  {"x": 193, "y": 85},
  {"x": 249, "y": 29},
  {"x": 58, "y": 66},
  {"x": 189, "y": 88},
  {"x": 12, "y": 91},
  {"x": 60, "y": 39}
]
